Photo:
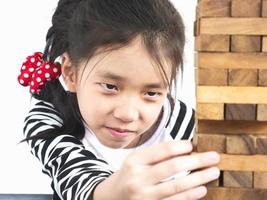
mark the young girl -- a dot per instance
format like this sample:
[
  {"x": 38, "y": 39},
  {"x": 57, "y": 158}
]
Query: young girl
[{"x": 114, "y": 130}]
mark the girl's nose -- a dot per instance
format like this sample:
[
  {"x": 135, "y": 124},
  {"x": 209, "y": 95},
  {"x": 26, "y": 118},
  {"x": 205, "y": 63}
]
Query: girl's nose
[{"x": 126, "y": 113}]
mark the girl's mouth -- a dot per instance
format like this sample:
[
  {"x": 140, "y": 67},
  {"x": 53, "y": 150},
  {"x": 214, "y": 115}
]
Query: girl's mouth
[{"x": 119, "y": 132}]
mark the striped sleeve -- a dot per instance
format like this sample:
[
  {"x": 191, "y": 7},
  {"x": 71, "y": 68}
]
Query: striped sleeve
[
  {"x": 75, "y": 172},
  {"x": 183, "y": 122}
]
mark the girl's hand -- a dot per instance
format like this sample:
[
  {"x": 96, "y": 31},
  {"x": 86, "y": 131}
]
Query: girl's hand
[{"x": 142, "y": 173}]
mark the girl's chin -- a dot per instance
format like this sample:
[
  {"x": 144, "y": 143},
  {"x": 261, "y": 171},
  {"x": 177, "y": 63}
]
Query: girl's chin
[
  {"x": 116, "y": 145},
  {"x": 116, "y": 140}
]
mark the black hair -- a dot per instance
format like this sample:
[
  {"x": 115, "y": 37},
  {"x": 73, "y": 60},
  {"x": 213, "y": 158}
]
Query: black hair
[{"x": 80, "y": 27}]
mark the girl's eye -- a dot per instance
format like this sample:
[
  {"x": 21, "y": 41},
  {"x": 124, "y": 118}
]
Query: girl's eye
[
  {"x": 109, "y": 87},
  {"x": 152, "y": 94}
]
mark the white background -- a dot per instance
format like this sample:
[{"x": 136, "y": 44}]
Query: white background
[{"x": 23, "y": 29}]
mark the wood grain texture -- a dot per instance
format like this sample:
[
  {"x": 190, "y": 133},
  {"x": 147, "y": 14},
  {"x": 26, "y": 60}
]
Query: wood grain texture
[
  {"x": 232, "y": 127},
  {"x": 264, "y": 44},
  {"x": 264, "y": 8},
  {"x": 231, "y": 70},
  {"x": 231, "y": 60},
  {"x": 210, "y": 111},
  {"x": 237, "y": 179},
  {"x": 211, "y": 142},
  {"x": 243, "y": 77},
  {"x": 221, "y": 193},
  {"x": 262, "y": 112},
  {"x": 240, "y": 112},
  {"x": 196, "y": 27},
  {"x": 260, "y": 180},
  {"x": 233, "y": 26},
  {"x": 261, "y": 143},
  {"x": 214, "y": 183},
  {"x": 213, "y": 8},
  {"x": 241, "y": 144},
  {"x": 211, "y": 43},
  {"x": 263, "y": 77},
  {"x": 257, "y": 163},
  {"x": 231, "y": 94},
  {"x": 246, "y": 8},
  {"x": 243, "y": 43},
  {"x": 216, "y": 77}
]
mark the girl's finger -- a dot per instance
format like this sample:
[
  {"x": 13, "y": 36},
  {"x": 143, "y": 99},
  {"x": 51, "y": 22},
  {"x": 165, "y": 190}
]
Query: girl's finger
[
  {"x": 160, "y": 152},
  {"x": 192, "y": 194},
  {"x": 176, "y": 186},
  {"x": 180, "y": 164}
]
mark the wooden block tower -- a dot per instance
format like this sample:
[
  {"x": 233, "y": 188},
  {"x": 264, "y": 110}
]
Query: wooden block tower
[{"x": 231, "y": 78}]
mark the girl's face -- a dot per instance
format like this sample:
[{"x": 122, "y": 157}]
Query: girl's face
[{"x": 121, "y": 94}]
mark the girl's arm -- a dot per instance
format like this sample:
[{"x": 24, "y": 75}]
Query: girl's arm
[
  {"x": 182, "y": 122},
  {"x": 74, "y": 171}
]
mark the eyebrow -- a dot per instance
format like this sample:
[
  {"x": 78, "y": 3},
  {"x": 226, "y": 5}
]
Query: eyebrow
[{"x": 109, "y": 75}]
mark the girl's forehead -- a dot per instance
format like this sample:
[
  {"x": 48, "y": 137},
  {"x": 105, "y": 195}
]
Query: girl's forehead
[{"x": 130, "y": 59}]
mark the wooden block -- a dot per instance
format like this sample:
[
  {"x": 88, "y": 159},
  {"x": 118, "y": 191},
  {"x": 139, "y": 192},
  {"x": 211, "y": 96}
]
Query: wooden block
[
  {"x": 196, "y": 28},
  {"x": 246, "y": 8},
  {"x": 264, "y": 44},
  {"x": 264, "y": 8},
  {"x": 257, "y": 163},
  {"x": 263, "y": 77},
  {"x": 214, "y": 77},
  {"x": 232, "y": 60},
  {"x": 232, "y": 127},
  {"x": 240, "y": 112},
  {"x": 213, "y": 8},
  {"x": 231, "y": 94},
  {"x": 260, "y": 180},
  {"x": 243, "y": 43},
  {"x": 262, "y": 112},
  {"x": 221, "y": 193},
  {"x": 218, "y": 43},
  {"x": 208, "y": 142},
  {"x": 242, "y": 144},
  {"x": 261, "y": 143},
  {"x": 233, "y": 26},
  {"x": 237, "y": 179},
  {"x": 210, "y": 111},
  {"x": 213, "y": 183},
  {"x": 243, "y": 77}
]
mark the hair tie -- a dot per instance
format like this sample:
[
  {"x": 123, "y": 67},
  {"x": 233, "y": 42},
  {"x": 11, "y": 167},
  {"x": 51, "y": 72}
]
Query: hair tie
[{"x": 35, "y": 72}]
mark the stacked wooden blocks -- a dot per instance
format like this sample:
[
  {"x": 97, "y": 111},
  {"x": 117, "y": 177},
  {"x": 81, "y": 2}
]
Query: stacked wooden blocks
[{"x": 231, "y": 76}]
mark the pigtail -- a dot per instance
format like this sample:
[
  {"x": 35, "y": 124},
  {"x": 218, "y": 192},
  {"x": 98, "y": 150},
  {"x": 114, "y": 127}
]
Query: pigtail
[{"x": 64, "y": 102}]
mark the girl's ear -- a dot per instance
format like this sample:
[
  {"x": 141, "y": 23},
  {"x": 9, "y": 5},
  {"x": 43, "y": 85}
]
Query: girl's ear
[{"x": 68, "y": 72}]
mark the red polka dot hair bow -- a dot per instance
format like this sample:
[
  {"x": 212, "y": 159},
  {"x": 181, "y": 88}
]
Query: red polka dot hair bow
[{"x": 35, "y": 72}]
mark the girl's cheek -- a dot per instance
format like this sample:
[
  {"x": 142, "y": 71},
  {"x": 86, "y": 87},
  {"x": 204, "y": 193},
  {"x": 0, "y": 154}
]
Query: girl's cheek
[{"x": 102, "y": 106}]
